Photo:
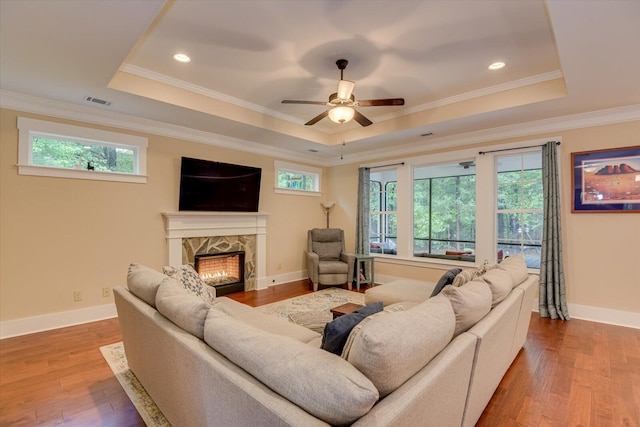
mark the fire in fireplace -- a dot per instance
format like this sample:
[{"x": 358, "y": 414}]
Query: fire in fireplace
[{"x": 224, "y": 271}]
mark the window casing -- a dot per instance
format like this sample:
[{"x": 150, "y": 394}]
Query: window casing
[
  {"x": 66, "y": 151},
  {"x": 291, "y": 178},
  {"x": 484, "y": 237}
]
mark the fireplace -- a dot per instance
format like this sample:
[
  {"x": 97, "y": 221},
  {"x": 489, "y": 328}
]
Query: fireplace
[{"x": 224, "y": 271}]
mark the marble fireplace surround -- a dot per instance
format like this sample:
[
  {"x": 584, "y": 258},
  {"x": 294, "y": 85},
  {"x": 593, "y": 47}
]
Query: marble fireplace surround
[{"x": 188, "y": 231}]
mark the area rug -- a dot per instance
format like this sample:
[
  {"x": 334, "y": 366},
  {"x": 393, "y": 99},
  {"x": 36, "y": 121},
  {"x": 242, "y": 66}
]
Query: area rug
[
  {"x": 146, "y": 407},
  {"x": 323, "y": 300}
]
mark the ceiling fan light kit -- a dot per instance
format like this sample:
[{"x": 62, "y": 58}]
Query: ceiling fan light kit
[
  {"x": 341, "y": 114},
  {"x": 342, "y": 102}
]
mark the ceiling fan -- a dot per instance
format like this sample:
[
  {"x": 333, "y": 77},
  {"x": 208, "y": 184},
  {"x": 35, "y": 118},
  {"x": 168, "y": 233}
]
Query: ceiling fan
[{"x": 342, "y": 102}]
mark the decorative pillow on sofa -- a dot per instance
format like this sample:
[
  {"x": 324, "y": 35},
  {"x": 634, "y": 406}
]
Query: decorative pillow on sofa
[
  {"x": 319, "y": 382},
  {"x": 336, "y": 332},
  {"x": 516, "y": 266},
  {"x": 390, "y": 349},
  {"x": 356, "y": 329},
  {"x": 468, "y": 275},
  {"x": 182, "y": 308},
  {"x": 446, "y": 279},
  {"x": 188, "y": 277},
  {"x": 470, "y": 302},
  {"x": 500, "y": 284},
  {"x": 143, "y": 282}
]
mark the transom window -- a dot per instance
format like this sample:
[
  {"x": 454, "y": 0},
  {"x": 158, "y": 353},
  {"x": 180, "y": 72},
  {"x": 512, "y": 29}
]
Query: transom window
[
  {"x": 293, "y": 178},
  {"x": 66, "y": 151}
]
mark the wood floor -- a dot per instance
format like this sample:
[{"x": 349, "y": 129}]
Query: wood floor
[{"x": 574, "y": 373}]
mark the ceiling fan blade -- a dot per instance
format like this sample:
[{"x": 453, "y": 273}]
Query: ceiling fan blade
[
  {"x": 358, "y": 117},
  {"x": 317, "y": 118},
  {"x": 379, "y": 102},
  {"x": 292, "y": 101}
]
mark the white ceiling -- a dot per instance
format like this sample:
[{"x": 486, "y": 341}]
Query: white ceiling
[{"x": 564, "y": 58}]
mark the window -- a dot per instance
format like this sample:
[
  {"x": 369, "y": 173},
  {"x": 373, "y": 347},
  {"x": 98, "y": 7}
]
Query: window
[
  {"x": 383, "y": 206},
  {"x": 519, "y": 206},
  {"x": 444, "y": 211},
  {"x": 297, "y": 179},
  {"x": 66, "y": 151}
]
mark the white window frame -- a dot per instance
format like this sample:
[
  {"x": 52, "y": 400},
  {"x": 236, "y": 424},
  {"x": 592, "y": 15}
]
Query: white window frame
[
  {"x": 281, "y": 166},
  {"x": 29, "y": 129},
  {"x": 486, "y": 194}
]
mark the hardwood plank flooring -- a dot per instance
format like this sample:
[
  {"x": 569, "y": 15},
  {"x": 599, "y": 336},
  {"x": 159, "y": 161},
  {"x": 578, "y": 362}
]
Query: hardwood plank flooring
[{"x": 575, "y": 373}]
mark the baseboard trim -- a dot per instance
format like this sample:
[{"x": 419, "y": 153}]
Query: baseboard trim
[
  {"x": 46, "y": 322},
  {"x": 280, "y": 279},
  {"x": 601, "y": 315}
]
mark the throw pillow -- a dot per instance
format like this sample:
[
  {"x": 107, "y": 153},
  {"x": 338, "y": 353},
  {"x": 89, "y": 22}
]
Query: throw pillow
[
  {"x": 470, "y": 302},
  {"x": 446, "y": 279},
  {"x": 143, "y": 282},
  {"x": 392, "y": 348},
  {"x": 295, "y": 370},
  {"x": 188, "y": 277},
  {"x": 463, "y": 277},
  {"x": 516, "y": 266},
  {"x": 336, "y": 332},
  {"x": 500, "y": 284},
  {"x": 356, "y": 329},
  {"x": 182, "y": 308}
]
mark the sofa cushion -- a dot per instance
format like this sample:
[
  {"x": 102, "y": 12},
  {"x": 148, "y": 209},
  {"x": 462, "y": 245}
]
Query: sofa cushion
[
  {"x": 446, "y": 279},
  {"x": 191, "y": 281},
  {"x": 356, "y": 329},
  {"x": 499, "y": 282},
  {"x": 327, "y": 251},
  {"x": 319, "y": 382},
  {"x": 516, "y": 266},
  {"x": 143, "y": 282},
  {"x": 391, "y": 348},
  {"x": 470, "y": 302},
  {"x": 336, "y": 332},
  {"x": 182, "y": 308},
  {"x": 255, "y": 317}
]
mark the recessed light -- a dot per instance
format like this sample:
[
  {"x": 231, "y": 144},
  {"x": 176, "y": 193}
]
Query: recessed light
[
  {"x": 181, "y": 57},
  {"x": 497, "y": 65}
]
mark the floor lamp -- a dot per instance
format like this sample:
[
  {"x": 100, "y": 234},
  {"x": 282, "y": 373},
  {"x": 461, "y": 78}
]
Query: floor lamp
[{"x": 327, "y": 207}]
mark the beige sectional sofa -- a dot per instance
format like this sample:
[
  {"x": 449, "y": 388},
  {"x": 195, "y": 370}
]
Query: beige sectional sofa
[{"x": 227, "y": 364}]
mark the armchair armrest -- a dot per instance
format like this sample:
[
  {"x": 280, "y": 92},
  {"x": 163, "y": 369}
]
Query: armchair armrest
[
  {"x": 350, "y": 259},
  {"x": 313, "y": 260}
]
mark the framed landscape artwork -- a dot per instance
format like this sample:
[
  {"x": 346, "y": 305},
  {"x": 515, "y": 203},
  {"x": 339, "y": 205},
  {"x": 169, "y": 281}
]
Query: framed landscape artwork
[{"x": 606, "y": 180}]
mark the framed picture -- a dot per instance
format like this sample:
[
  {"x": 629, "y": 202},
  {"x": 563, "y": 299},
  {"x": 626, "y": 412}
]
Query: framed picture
[{"x": 606, "y": 180}]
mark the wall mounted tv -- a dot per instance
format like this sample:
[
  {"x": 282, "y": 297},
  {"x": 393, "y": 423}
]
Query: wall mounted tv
[{"x": 218, "y": 187}]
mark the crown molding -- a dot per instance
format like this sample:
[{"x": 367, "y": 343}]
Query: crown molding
[
  {"x": 181, "y": 84},
  {"x": 553, "y": 125},
  {"x": 63, "y": 110}
]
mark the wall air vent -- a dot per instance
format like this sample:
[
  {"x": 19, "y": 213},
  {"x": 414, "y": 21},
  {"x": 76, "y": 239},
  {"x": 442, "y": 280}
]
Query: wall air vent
[{"x": 98, "y": 101}]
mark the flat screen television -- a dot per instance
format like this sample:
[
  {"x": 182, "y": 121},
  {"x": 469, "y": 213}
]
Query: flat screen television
[{"x": 218, "y": 187}]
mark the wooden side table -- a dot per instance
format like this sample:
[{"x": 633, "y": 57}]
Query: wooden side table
[
  {"x": 344, "y": 309},
  {"x": 363, "y": 259}
]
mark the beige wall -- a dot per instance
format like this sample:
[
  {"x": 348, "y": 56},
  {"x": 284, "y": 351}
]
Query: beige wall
[
  {"x": 60, "y": 235},
  {"x": 602, "y": 261},
  {"x": 63, "y": 235}
]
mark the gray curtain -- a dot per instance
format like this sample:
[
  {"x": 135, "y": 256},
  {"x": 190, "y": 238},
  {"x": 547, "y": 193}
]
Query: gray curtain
[
  {"x": 362, "y": 221},
  {"x": 553, "y": 301}
]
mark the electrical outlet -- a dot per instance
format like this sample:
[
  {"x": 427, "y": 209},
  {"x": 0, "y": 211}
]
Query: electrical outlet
[
  {"x": 106, "y": 292},
  {"x": 77, "y": 296}
]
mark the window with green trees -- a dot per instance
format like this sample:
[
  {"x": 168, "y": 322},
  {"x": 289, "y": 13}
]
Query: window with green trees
[
  {"x": 292, "y": 178},
  {"x": 519, "y": 206},
  {"x": 444, "y": 210},
  {"x": 62, "y": 153},
  {"x": 383, "y": 206}
]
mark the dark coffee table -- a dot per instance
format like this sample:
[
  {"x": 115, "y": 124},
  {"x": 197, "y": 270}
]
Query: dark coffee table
[{"x": 345, "y": 309}]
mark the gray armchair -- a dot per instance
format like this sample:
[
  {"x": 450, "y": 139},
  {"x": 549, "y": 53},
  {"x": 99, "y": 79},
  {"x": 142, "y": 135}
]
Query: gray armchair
[{"x": 327, "y": 263}]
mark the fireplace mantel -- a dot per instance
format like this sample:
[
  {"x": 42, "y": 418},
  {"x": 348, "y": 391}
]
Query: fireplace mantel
[{"x": 184, "y": 225}]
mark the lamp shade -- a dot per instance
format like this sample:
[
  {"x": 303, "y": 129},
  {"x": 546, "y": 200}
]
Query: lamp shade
[
  {"x": 345, "y": 87},
  {"x": 341, "y": 114},
  {"x": 328, "y": 205}
]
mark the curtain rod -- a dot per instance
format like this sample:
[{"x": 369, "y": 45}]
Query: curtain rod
[
  {"x": 519, "y": 148},
  {"x": 384, "y": 166}
]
